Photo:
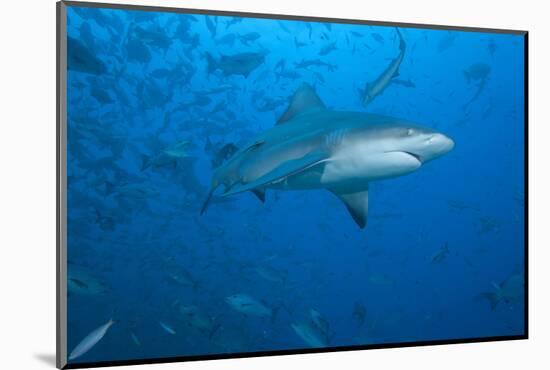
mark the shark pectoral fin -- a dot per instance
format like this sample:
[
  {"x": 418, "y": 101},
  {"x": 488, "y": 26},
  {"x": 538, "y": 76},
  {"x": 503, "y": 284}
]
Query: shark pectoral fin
[
  {"x": 357, "y": 205},
  {"x": 260, "y": 194},
  {"x": 304, "y": 98},
  {"x": 284, "y": 170}
]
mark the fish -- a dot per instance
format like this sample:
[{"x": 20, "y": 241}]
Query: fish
[
  {"x": 477, "y": 72},
  {"x": 106, "y": 223},
  {"x": 310, "y": 334},
  {"x": 440, "y": 255},
  {"x": 272, "y": 275},
  {"x": 380, "y": 279},
  {"x": 238, "y": 64},
  {"x": 181, "y": 276},
  {"x": 82, "y": 282},
  {"x": 228, "y": 39},
  {"x": 315, "y": 63},
  {"x": 168, "y": 157},
  {"x": 510, "y": 290},
  {"x": 101, "y": 95},
  {"x": 197, "y": 319},
  {"x": 131, "y": 190},
  {"x": 293, "y": 75},
  {"x": 232, "y": 21},
  {"x": 167, "y": 328},
  {"x": 328, "y": 48},
  {"x": 249, "y": 37},
  {"x": 90, "y": 340},
  {"x": 210, "y": 25},
  {"x": 137, "y": 51},
  {"x": 359, "y": 313},
  {"x": 491, "y": 47},
  {"x": 319, "y": 321},
  {"x": 247, "y": 305},
  {"x": 82, "y": 59},
  {"x": 446, "y": 41},
  {"x": 298, "y": 43},
  {"x": 135, "y": 339},
  {"x": 461, "y": 206},
  {"x": 312, "y": 147},
  {"x": 220, "y": 155},
  {"x": 488, "y": 224},
  {"x": 378, "y": 38},
  {"x": 404, "y": 83},
  {"x": 377, "y": 87},
  {"x": 154, "y": 37}
]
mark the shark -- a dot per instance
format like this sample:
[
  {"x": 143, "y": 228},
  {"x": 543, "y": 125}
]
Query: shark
[
  {"x": 377, "y": 87},
  {"x": 314, "y": 147}
]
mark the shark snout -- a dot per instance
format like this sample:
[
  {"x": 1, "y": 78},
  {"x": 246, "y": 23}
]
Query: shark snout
[
  {"x": 443, "y": 143},
  {"x": 433, "y": 146}
]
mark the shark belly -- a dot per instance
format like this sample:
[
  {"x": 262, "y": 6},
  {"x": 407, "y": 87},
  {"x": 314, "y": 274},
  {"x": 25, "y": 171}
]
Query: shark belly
[{"x": 352, "y": 170}]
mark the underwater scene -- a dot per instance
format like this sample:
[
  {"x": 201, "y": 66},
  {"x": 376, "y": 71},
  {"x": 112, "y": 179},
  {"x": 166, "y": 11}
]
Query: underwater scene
[{"x": 240, "y": 185}]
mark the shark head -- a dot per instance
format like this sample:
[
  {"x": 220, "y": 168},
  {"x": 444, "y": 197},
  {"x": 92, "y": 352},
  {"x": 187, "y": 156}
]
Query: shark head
[
  {"x": 377, "y": 147},
  {"x": 421, "y": 143}
]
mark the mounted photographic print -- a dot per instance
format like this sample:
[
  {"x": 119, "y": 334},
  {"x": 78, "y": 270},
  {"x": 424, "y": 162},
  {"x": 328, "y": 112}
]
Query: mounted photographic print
[{"x": 236, "y": 184}]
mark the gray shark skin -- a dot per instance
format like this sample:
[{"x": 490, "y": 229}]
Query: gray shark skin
[{"x": 312, "y": 147}]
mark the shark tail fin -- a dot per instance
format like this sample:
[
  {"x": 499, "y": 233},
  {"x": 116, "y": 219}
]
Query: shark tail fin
[{"x": 402, "y": 44}]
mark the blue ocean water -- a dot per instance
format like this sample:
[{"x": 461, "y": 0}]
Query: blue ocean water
[{"x": 155, "y": 98}]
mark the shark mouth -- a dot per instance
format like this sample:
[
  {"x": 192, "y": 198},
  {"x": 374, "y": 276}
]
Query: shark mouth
[
  {"x": 410, "y": 154},
  {"x": 415, "y": 156}
]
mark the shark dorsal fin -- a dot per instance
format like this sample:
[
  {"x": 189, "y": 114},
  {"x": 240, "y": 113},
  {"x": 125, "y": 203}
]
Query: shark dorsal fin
[{"x": 304, "y": 98}]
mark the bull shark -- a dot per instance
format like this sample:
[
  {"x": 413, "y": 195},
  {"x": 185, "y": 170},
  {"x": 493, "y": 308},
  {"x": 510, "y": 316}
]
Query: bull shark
[{"x": 313, "y": 147}]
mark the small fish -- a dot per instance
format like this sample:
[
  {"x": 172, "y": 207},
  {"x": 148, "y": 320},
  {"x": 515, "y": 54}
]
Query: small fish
[
  {"x": 238, "y": 64},
  {"x": 477, "y": 72},
  {"x": 272, "y": 275},
  {"x": 198, "y": 320},
  {"x": 404, "y": 83},
  {"x": 135, "y": 339},
  {"x": 210, "y": 25},
  {"x": 378, "y": 38},
  {"x": 245, "y": 304},
  {"x": 328, "y": 48},
  {"x": 446, "y": 41},
  {"x": 359, "y": 313},
  {"x": 90, "y": 340},
  {"x": 131, "y": 190},
  {"x": 508, "y": 291},
  {"x": 310, "y": 334},
  {"x": 167, "y": 328},
  {"x": 491, "y": 47},
  {"x": 247, "y": 38},
  {"x": 319, "y": 321},
  {"x": 440, "y": 255}
]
